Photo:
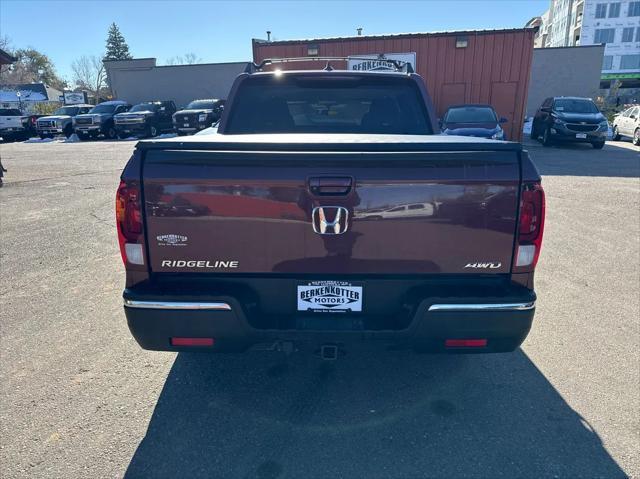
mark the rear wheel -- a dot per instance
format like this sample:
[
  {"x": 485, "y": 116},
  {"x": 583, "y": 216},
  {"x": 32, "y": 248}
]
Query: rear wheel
[
  {"x": 546, "y": 137},
  {"x": 616, "y": 133},
  {"x": 636, "y": 137},
  {"x": 152, "y": 130}
]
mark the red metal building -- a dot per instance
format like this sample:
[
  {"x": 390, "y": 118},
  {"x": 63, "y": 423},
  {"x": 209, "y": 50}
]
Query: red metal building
[{"x": 488, "y": 66}]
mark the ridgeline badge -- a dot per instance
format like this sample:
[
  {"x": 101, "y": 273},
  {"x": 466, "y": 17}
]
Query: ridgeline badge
[{"x": 329, "y": 296}]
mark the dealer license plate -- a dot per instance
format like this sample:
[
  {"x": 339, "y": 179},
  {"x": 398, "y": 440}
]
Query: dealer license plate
[
  {"x": 581, "y": 135},
  {"x": 329, "y": 296}
]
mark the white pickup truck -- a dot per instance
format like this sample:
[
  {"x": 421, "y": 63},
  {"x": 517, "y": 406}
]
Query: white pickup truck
[{"x": 14, "y": 125}]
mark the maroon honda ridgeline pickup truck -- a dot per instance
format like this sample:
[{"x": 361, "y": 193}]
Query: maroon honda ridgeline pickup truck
[{"x": 325, "y": 211}]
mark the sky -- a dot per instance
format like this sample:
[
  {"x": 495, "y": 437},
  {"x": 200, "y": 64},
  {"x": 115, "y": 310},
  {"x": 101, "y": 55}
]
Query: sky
[{"x": 221, "y": 31}]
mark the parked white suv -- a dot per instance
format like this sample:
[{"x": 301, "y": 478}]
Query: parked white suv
[{"x": 627, "y": 124}]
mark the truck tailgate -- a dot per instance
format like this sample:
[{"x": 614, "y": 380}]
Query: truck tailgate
[{"x": 216, "y": 210}]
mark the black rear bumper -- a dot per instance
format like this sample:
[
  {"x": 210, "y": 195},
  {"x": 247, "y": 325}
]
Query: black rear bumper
[{"x": 503, "y": 321}]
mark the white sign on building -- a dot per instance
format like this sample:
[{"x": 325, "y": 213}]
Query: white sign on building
[
  {"x": 74, "y": 98},
  {"x": 375, "y": 62}
]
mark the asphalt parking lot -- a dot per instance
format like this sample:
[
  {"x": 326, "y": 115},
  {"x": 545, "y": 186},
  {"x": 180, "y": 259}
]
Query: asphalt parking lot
[{"x": 79, "y": 398}]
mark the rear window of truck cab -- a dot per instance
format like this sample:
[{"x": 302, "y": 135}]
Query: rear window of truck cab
[
  {"x": 323, "y": 104},
  {"x": 9, "y": 112}
]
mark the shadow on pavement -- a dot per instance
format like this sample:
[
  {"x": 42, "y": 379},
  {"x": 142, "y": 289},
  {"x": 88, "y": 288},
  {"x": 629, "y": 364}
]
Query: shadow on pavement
[
  {"x": 616, "y": 159},
  {"x": 370, "y": 414}
]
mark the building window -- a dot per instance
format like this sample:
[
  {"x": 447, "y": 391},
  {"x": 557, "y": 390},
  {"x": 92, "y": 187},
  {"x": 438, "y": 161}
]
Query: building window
[
  {"x": 638, "y": 34},
  {"x": 614, "y": 10},
  {"x": 634, "y": 9},
  {"x": 607, "y": 62},
  {"x": 627, "y": 34},
  {"x": 601, "y": 10},
  {"x": 630, "y": 62},
  {"x": 604, "y": 35}
]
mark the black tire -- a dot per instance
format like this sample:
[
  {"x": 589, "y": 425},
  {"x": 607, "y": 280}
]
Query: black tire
[
  {"x": 534, "y": 133},
  {"x": 546, "y": 137},
  {"x": 152, "y": 131},
  {"x": 616, "y": 134},
  {"x": 598, "y": 145},
  {"x": 636, "y": 137},
  {"x": 110, "y": 133},
  {"x": 68, "y": 131},
  {"x": 83, "y": 136}
]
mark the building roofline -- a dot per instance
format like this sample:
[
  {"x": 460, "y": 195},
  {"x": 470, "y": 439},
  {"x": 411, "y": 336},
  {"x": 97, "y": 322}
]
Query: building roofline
[
  {"x": 202, "y": 64},
  {"x": 128, "y": 60},
  {"x": 262, "y": 42},
  {"x": 181, "y": 65},
  {"x": 8, "y": 56},
  {"x": 597, "y": 45}
]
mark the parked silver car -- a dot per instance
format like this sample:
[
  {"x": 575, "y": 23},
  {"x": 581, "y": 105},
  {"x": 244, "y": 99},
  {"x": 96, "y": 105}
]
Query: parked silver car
[{"x": 627, "y": 124}]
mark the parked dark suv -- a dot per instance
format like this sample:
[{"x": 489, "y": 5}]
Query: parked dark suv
[
  {"x": 198, "y": 115},
  {"x": 149, "y": 118},
  {"x": 571, "y": 119}
]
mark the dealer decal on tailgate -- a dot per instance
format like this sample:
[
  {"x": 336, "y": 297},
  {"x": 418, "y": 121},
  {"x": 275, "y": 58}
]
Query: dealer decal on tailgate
[{"x": 332, "y": 296}]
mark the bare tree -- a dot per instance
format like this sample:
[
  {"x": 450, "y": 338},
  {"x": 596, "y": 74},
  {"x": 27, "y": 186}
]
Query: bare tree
[
  {"x": 89, "y": 73},
  {"x": 5, "y": 43},
  {"x": 188, "y": 59},
  {"x": 191, "y": 58}
]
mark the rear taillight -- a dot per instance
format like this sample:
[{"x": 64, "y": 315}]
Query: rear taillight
[
  {"x": 465, "y": 343},
  {"x": 129, "y": 222},
  {"x": 531, "y": 226}
]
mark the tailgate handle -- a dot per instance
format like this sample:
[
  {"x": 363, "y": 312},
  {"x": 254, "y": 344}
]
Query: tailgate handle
[{"x": 330, "y": 185}]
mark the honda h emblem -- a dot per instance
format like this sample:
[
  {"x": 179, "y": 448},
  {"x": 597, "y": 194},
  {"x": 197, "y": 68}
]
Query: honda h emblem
[{"x": 330, "y": 220}]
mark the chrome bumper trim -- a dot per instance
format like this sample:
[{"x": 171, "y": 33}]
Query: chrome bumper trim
[
  {"x": 483, "y": 307},
  {"x": 129, "y": 303}
]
